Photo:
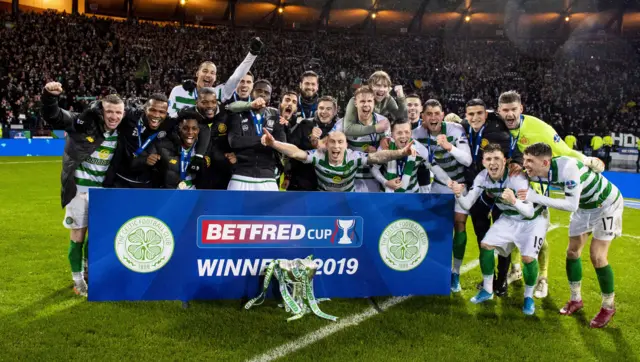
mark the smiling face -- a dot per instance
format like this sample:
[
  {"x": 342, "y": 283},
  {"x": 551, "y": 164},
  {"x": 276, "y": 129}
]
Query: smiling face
[
  {"x": 494, "y": 162},
  {"x": 189, "y": 132},
  {"x": 245, "y": 86},
  {"x": 536, "y": 166},
  {"x": 432, "y": 118},
  {"x": 112, "y": 114},
  {"x": 326, "y": 111},
  {"x": 336, "y": 146},
  {"x": 476, "y": 116},
  {"x": 510, "y": 114},
  {"x": 365, "y": 104},
  {"x": 401, "y": 133},
  {"x": 207, "y": 105},
  {"x": 309, "y": 86},
  {"x": 381, "y": 90},
  {"x": 206, "y": 75},
  {"x": 156, "y": 112},
  {"x": 288, "y": 105}
]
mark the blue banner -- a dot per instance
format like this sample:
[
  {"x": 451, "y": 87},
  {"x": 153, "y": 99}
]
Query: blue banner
[
  {"x": 198, "y": 245},
  {"x": 31, "y": 147}
]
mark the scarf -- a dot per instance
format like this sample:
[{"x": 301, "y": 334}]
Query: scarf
[{"x": 392, "y": 170}]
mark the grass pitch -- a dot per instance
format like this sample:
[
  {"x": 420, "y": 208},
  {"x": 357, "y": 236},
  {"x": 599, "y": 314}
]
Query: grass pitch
[{"x": 41, "y": 318}]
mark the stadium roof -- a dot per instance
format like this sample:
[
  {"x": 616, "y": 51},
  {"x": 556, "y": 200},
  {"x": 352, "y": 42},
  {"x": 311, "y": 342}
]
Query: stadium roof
[{"x": 415, "y": 15}]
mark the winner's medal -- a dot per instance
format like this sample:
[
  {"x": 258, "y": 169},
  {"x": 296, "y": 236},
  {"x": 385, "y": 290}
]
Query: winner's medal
[
  {"x": 365, "y": 148},
  {"x": 182, "y": 185}
]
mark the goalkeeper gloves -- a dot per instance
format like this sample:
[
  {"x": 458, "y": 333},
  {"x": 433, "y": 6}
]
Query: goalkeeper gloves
[
  {"x": 189, "y": 85},
  {"x": 256, "y": 46},
  {"x": 595, "y": 164},
  {"x": 197, "y": 164}
]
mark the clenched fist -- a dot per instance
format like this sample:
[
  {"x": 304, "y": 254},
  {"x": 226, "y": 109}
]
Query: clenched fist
[
  {"x": 316, "y": 132},
  {"x": 444, "y": 143},
  {"x": 54, "y": 88},
  {"x": 382, "y": 126},
  {"x": 522, "y": 194},
  {"x": 509, "y": 196},
  {"x": 399, "y": 91},
  {"x": 152, "y": 159},
  {"x": 257, "y": 104}
]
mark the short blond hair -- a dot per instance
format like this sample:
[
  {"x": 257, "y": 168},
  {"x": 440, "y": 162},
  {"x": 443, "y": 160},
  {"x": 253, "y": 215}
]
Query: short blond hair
[{"x": 363, "y": 90}]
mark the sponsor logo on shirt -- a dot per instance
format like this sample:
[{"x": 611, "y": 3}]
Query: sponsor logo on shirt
[{"x": 571, "y": 184}]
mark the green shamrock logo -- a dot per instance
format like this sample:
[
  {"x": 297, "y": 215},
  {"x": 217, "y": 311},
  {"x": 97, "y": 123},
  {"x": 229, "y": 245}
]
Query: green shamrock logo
[
  {"x": 144, "y": 246},
  {"x": 403, "y": 245}
]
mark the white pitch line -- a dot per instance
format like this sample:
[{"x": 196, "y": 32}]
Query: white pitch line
[
  {"x": 24, "y": 162},
  {"x": 350, "y": 321}
]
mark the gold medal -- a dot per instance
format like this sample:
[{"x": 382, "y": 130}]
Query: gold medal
[
  {"x": 182, "y": 186},
  {"x": 365, "y": 148},
  {"x": 336, "y": 179}
]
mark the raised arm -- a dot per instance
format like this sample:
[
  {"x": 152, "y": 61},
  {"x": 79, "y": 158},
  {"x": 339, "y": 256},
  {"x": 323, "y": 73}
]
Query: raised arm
[
  {"x": 242, "y": 69},
  {"x": 571, "y": 200},
  {"x": 286, "y": 149},
  {"x": 54, "y": 115},
  {"x": 381, "y": 157}
]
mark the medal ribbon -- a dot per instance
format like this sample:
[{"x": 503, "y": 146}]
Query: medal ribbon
[
  {"x": 143, "y": 146},
  {"x": 257, "y": 121},
  {"x": 184, "y": 161}
]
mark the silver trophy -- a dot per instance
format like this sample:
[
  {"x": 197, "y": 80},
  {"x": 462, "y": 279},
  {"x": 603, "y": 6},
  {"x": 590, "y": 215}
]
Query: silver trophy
[{"x": 345, "y": 226}]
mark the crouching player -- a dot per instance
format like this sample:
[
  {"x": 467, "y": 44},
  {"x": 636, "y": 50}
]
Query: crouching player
[
  {"x": 522, "y": 224},
  {"x": 596, "y": 206}
]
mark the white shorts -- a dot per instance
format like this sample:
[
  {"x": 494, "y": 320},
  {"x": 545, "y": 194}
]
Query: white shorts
[
  {"x": 437, "y": 188},
  {"x": 76, "y": 213},
  {"x": 604, "y": 223},
  {"x": 244, "y": 183},
  {"x": 527, "y": 235},
  {"x": 425, "y": 189},
  {"x": 366, "y": 185}
]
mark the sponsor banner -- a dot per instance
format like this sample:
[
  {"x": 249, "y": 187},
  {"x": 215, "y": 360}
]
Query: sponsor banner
[{"x": 189, "y": 245}]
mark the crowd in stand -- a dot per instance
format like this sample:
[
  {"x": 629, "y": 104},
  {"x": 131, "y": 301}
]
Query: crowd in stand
[{"x": 577, "y": 85}]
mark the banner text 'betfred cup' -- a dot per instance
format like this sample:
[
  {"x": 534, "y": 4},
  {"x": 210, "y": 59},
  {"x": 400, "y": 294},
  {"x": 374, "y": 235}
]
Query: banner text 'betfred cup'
[{"x": 186, "y": 245}]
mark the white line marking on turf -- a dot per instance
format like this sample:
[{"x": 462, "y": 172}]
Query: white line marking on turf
[
  {"x": 350, "y": 321},
  {"x": 23, "y": 162}
]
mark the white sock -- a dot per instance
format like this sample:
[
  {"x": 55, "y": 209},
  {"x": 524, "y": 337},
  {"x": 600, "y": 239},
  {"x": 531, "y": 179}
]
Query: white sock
[
  {"x": 575, "y": 291},
  {"x": 487, "y": 283},
  {"x": 528, "y": 291},
  {"x": 456, "y": 265},
  {"x": 516, "y": 267},
  {"x": 607, "y": 300},
  {"x": 77, "y": 276}
]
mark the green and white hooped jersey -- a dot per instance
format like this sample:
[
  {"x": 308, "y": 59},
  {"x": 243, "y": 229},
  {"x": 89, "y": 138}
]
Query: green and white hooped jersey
[
  {"x": 496, "y": 188},
  {"x": 339, "y": 177},
  {"x": 361, "y": 143},
  {"x": 409, "y": 168},
  {"x": 456, "y": 136},
  {"x": 573, "y": 176},
  {"x": 180, "y": 98},
  {"x": 92, "y": 171}
]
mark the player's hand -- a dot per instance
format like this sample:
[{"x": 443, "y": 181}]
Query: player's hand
[
  {"x": 257, "y": 104},
  {"x": 408, "y": 150},
  {"x": 457, "y": 188},
  {"x": 394, "y": 184},
  {"x": 514, "y": 169},
  {"x": 54, "y": 88},
  {"x": 522, "y": 194},
  {"x": 320, "y": 144},
  {"x": 382, "y": 126},
  {"x": 285, "y": 183},
  {"x": 509, "y": 196},
  {"x": 231, "y": 157},
  {"x": 444, "y": 143},
  {"x": 371, "y": 149},
  {"x": 595, "y": 164},
  {"x": 316, "y": 132},
  {"x": 452, "y": 117},
  {"x": 256, "y": 46},
  {"x": 267, "y": 139},
  {"x": 283, "y": 121},
  {"x": 196, "y": 164},
  {"x": 189, "y": 85},
  {"x": 384, "y": 143},
  {"x": 399, "y": 91},
  {"x": 152, "y": 159}
]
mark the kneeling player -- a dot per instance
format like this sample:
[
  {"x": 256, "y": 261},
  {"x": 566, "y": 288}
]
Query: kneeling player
[
  {"x": 336, "y": 165},
  {"x": 596, "y": 206},
  {"x": 522, "y": 224}
]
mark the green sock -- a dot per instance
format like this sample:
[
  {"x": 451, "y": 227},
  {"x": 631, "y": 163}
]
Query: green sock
[
  {"x": 487, "y": 261},
  {"x": 459, "y": 244},
  {"x": 605, "y": 278},
  {"x": 85, "y": 250},
  {"x": 574, "y": 270},
  {"x": 530, "y": 273},
  {"x": 75, "y": 256}
]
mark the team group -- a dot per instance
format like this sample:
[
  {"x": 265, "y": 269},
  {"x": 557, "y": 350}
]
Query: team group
[{"x": 500, "y": 165}]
